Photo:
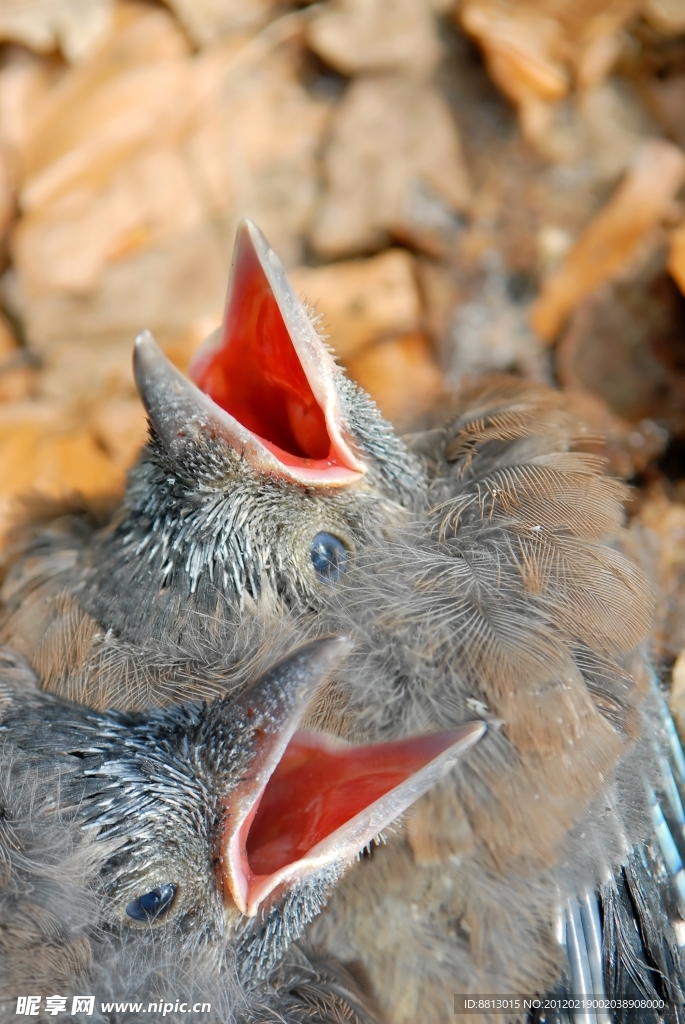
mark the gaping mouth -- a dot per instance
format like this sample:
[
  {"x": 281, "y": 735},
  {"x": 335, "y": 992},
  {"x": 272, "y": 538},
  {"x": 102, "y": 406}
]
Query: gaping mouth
[
  {"x": 267, "y": 380},
  {"x": 298, "y": 803},
  {"x": 324, "y": 801}
]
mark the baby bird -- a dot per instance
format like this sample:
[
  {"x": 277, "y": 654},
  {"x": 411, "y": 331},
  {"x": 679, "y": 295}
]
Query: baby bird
[
  {"x": 475, "y": 566},
  {"x": 183, "y": 850}
]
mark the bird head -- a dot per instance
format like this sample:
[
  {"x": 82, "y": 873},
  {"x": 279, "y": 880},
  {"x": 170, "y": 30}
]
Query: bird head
[
  {"x": 266, "y": 463},
  {"x": 221, "y": 824}
]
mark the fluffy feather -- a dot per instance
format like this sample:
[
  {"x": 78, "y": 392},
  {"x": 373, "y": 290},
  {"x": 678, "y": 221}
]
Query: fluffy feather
[{"x": 485, "y": 574}]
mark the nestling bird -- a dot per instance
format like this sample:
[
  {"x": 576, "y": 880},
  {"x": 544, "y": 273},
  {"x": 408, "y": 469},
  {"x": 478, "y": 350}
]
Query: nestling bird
[
  {"x": 475, "y": 565},
  {"x": 187, "y": 847}
]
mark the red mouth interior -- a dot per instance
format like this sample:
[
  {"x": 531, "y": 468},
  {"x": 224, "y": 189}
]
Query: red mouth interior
[
  {"x": 256, "y": 375},
  {"x": 318, "y": 787}
]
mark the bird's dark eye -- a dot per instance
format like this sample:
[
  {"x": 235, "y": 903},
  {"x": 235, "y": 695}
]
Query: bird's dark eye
[
  {"x": 153, "y": 904},
  {"x": 329, "y": 557}
]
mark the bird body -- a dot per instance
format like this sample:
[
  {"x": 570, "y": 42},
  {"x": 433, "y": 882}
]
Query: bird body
[{"x": 476, "y": 567}]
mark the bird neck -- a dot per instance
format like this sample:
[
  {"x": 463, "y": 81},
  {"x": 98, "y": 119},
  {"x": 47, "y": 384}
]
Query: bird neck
[{"x": 172, "y": 543}]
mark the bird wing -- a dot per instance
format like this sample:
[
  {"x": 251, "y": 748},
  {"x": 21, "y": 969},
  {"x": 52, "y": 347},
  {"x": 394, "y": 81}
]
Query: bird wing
[
  {"x": 622, "y": 938},
  {"x": 509, "y": 593},
  {"x": 41, "y": 567},
  {"x": 312, "y": 987},
  {"x": 512, "y": 463}
]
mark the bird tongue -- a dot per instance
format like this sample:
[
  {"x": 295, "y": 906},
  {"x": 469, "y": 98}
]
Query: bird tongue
[
  {"x": 268, "y": 369},
  {"x": 324, "y": 802}
]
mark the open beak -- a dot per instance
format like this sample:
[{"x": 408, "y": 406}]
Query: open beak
[
  {"x": 265, "y": 382},
  {"x": 308, "y": 801}
]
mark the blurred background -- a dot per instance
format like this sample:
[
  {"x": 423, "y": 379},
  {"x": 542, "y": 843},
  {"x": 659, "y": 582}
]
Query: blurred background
[{"x": 457, "y": 188}]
